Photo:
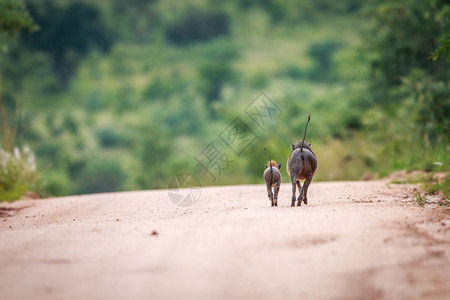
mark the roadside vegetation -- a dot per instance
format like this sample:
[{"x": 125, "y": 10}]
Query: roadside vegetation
[{"x": 435, "y": 184}]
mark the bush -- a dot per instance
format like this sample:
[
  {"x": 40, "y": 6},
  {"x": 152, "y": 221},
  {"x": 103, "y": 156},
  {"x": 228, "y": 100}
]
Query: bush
[
  {"x": 57, "y": 184},
  {"x": 215, "y": 76},
  {"x": 52, "y": 151},
  {"x": 17, "y": 173},
  {"x": 81, "y": 26},
  {"x": 293, "y": 72},
  {"x": 110, "y": 138},
  {"x": 101, "y": 175},
  {"x": 198, "y": 26},
  {"x": 163, "y": 87},
  {"x": 322, "y": 53},
  {"x": 69, "y": 124},
  {"x": 431, "y": 107}
]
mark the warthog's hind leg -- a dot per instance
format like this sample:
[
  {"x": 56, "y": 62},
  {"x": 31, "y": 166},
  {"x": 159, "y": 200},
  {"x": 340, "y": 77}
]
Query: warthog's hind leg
[
  {"x": 269, "y": 192},
  {"x": 276, "y": 189},
  {"x": 300, "y": 189},
  {"x": 293, "y": 180},
  {"x": 305, "y": 187}
]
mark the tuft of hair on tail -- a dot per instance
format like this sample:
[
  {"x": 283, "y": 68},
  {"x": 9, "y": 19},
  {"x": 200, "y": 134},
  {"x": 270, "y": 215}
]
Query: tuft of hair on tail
[{"x": 270, "y": 162}]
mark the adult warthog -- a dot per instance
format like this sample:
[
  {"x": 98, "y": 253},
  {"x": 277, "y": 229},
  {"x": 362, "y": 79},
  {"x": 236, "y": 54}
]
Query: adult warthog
[{"x": 301, "y": 165}]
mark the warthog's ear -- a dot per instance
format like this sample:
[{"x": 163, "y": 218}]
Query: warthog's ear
[
  {"x": 293, "y": 147},
  {"x": 279, "y": 166},
  {"x": 265, "y": 167},
  {"x": 310, "y": 144}
]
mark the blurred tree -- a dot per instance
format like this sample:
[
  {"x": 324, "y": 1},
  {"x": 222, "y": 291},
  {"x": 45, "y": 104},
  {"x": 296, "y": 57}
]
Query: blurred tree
[
  {"x": 101, "y": 175},
  {"x": 301, "y": 10},
  {"x": 198, "y": 26},
  {"x": 154, "y": 151},
  {"x": 14, "y": 17},
  {"x": 275, "y": 8},
  {"x": 432, "y": 102},
  {"x": 217, "y": 71},
  {"x": 67, "y": 34},
  {"x": 404, "y": 36},
  {"x": 443, "y": 49},
  {"x": 322, "y": 53},
  {"x": 134, "y": 19},
  {"x": 215, "y": 76},
  {"x": 109, "y": 137}
]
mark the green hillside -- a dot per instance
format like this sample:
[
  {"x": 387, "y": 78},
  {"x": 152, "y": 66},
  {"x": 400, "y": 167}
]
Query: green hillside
[{"x": 112, "y": 96}]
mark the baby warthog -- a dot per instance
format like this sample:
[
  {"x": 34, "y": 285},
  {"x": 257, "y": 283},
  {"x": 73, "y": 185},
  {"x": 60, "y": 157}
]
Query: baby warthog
[
  {"x": 302, "y": 164},
  {"x": 272, "y": 177}
]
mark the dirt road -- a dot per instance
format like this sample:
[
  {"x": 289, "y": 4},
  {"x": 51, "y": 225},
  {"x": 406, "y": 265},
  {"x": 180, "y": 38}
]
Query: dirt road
[{"x": 354, "y": 240}]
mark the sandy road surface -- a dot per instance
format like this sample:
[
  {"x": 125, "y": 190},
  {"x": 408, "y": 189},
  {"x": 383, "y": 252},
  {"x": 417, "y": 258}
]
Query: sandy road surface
[{"x": 355, "y": 240}]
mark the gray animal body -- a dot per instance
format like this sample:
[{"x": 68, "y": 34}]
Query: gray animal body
[
  {"x": 302, "y": 164},
  {"x": 272, "y": 177}
]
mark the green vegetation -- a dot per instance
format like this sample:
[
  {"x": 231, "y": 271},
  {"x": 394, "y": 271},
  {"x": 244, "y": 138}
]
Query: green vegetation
[
  {"x": 429, "y": 182},
  {"x": 17, "y": 173},
  {"x": 67, "y": 34},
  {"x": 441, "y": 187},
  {"x": 14, "y": 17},
  {"x": 421, "y": 199},
  {"x": 17, "y": 166},
  {"x": 113, "y": 96}
]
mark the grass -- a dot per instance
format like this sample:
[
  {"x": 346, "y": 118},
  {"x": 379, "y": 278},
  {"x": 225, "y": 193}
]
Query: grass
[
  {"x": 418, "y": 180},
  {"x": 421, "y": 199},
  {"x": 18, "y": 173},
  {"x": 442, "y": 187},
  {"x": 430, "y": 185},
  {"x": 13, "y": 193}
]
